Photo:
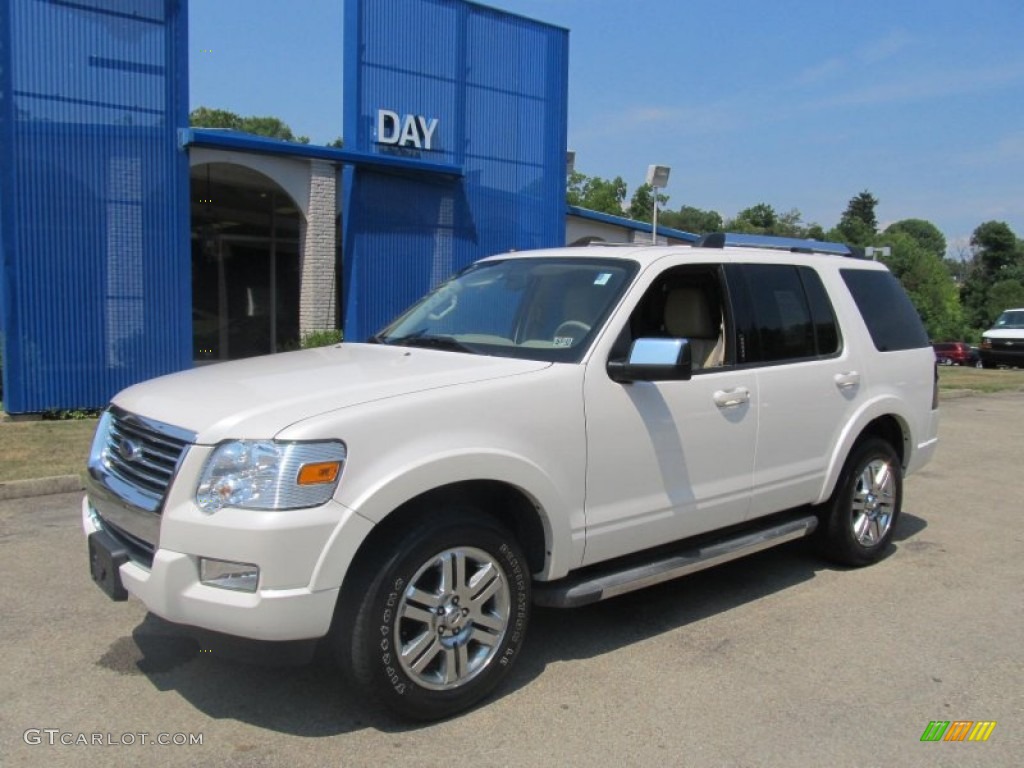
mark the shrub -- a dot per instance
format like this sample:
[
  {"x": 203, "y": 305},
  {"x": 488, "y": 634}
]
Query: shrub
[{"x": 325, "y": 338}]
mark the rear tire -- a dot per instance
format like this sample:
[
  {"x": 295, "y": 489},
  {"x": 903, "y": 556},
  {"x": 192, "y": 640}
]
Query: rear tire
[
  {"x": 861, "y": 515},
  {"x": 434, "y": 623}
]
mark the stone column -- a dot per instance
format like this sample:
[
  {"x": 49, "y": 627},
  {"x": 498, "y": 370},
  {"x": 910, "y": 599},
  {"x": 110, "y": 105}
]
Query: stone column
[{"x": 318, "y": 292}]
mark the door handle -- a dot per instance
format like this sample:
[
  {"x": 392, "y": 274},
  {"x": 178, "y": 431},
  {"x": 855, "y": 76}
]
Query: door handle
[
  {"x": 847, "y": 380},
  {"x": 732, "y": 397}
]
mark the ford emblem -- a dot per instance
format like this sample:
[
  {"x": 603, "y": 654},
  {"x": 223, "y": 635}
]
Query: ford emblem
[{"x": 130, "y": 450}]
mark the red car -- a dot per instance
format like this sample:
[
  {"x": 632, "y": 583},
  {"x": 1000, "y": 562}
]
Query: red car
[{"x": 955, "y": 353}]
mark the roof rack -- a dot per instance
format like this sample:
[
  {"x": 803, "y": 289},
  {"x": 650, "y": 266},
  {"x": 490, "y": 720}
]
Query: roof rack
[{"x": 794, "y": 244}]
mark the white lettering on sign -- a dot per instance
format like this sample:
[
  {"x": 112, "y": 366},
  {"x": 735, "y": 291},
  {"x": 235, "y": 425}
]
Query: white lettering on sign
[{"x": 405, "y": 130}]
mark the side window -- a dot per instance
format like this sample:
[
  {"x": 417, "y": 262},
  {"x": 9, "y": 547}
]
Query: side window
[
  {"x": 781, "y": 315},
  {"x": 826, "y": 329},
  {"x": 891, "y": 319},
  {"x": 686, "y": 303}
]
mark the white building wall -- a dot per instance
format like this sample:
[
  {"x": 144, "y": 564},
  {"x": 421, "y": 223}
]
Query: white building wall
[
  {"x": 577, "y": 227},
  {"x": 291, "y": 174}
]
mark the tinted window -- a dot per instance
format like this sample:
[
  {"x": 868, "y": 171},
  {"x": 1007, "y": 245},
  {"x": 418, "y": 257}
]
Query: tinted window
[
  {"x": 891, "y": 319},
  {"x": 781, "y": 315},
  {"x": 826, "y": 330}
]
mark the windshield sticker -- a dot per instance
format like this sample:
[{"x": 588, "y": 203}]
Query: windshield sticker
[
  {"x": 603, "y": 278},
  {"x": 564, "y": 341}
]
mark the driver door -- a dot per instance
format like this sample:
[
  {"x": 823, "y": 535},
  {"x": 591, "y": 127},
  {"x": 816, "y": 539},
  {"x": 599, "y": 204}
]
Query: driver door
[{"x": 667, "y": 459}]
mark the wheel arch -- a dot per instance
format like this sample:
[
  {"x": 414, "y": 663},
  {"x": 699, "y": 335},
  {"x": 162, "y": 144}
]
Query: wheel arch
[
  {"x": 509, "y": 506},
  {"x": 878, "y": 421}
]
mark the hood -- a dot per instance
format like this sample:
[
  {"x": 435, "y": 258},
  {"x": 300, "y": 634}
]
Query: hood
[
  {"x": 1004, "y": 333},
  {"x": 258, "y": 397}
]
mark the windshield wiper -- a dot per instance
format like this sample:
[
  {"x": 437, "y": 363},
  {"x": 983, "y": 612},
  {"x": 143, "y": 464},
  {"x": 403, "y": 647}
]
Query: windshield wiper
[{"x": 449, "y": 343}]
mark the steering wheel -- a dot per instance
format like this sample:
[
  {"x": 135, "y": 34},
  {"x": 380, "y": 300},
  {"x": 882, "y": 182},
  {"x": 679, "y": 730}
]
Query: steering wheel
[{"x": 571, "y": 329}]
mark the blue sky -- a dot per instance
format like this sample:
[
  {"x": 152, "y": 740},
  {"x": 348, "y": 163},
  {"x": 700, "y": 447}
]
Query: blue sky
[{"x": 796, "y": 104}]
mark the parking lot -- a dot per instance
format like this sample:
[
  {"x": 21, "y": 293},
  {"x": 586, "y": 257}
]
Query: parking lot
[{"x": 776, "y": 660}]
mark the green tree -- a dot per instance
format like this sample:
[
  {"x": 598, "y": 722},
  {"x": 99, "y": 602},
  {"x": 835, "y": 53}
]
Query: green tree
[
  {"x": 758, "y": 219},
  {"x": 763, "y": 219},
  {"x": 641, "y": 205},
  {"x": 271, "y": 127},
  {"x": 790, "y": 224},
  {"x": 997, "y": 259},
  {"x": 974, "y": 298},
  {"x": 928, "y": 283},
  {"x": 690, "y": 219},
  {"x": 1004, "y": 294},
  {"x": 858, "y": 224},
  {"x": 926, "y": 234},
  {"x": 596, "y": 194},
  {"x": 815, "y": 232},
  {"x": 995, "y": 247}
]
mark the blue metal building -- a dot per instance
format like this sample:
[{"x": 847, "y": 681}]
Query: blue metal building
[{"x": 455, "y": 130}]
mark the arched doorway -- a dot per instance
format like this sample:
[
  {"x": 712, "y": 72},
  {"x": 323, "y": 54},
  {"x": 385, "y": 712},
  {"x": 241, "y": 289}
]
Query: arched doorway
[{"x": 245, "y": 264}]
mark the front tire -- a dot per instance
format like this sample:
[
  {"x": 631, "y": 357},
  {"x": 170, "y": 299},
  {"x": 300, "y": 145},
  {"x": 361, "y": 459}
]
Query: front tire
[
  {"x": 861, "y": 515},
  {"x": 434, "y": 625}
]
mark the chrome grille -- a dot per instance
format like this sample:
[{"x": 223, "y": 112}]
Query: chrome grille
[{"x": 143, "y": 453}]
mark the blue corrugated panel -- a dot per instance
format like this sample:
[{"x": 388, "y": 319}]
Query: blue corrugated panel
[
  {"x": 94, "y": 192},
  {"x": 498, "y": 85}
]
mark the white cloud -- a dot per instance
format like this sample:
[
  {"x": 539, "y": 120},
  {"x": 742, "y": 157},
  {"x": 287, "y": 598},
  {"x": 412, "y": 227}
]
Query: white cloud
[
  {"x": 884, "y": 47},
  {"x": 1008, "y": 149},
  {"x": 927, "y": 87},
  {"x": 872, "y": 52}
]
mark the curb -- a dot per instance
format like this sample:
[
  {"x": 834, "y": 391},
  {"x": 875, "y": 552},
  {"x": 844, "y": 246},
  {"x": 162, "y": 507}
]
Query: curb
[{"x": 40, "y": 486}]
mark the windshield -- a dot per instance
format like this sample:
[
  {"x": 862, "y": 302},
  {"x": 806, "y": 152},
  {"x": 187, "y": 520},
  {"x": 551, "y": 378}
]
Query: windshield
[
  {"x": 534, "y": 308},
  {"x": 1011, "y": 318}
]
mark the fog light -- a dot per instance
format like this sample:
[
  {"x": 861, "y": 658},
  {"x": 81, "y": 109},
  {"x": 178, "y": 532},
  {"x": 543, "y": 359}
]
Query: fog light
[{"x": 241, "y": 577}]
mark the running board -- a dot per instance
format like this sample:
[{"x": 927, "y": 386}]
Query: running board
[{"x": 574, "y": 591}]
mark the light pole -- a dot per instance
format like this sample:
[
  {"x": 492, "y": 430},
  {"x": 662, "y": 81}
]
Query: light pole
[{"x": 657, "y": 178}]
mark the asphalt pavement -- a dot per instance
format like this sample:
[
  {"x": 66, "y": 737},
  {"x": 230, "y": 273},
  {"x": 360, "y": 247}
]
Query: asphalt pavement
[{"x": 776, "y": 660}]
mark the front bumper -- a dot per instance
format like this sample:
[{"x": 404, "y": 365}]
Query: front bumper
[
  {"x": 1004, "y": 355},
  {"x": 299, "y": 569}
]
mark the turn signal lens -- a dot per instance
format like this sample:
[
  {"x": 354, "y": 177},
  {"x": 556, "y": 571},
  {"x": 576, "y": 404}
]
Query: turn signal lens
[{"x": 323, "y": 472}]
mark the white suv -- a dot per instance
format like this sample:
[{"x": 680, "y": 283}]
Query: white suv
[{"x": 553, "y": 427}]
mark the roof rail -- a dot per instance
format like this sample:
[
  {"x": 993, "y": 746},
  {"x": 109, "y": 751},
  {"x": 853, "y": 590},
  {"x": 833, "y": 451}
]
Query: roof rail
[{"x": 794, "y": 244}]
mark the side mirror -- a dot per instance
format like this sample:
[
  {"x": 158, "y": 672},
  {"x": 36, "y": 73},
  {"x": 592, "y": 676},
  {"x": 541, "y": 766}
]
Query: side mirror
[{"x": 654, "y": 360}]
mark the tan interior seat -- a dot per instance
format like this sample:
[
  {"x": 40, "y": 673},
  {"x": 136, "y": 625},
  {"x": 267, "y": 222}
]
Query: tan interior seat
[{"x": 689, "y": 316}]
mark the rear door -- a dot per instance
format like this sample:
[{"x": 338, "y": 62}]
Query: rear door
[{"x": 808, "y": 382}]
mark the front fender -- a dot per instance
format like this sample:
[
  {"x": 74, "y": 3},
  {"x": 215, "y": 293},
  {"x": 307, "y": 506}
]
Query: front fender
[{"x": 562, "y": 520}]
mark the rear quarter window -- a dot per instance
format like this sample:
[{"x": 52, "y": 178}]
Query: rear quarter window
[{"x": 888, "y": 313}]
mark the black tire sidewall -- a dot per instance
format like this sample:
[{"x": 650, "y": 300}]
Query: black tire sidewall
[
  {"x": 375, "y": 665},
  {"x": 840, "y": 543}
]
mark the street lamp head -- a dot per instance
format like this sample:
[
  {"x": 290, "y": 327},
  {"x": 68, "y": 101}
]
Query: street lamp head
[{"x": 657, "y": 176}]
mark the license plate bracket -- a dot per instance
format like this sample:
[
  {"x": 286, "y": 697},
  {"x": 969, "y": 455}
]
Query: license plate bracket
[{"x": 106, "y": 556}]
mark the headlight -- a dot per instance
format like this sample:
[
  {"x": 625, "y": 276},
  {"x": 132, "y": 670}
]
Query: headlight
[
  {"x": 100, "y": 440},
  {"x": 270, "y": 475}
]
